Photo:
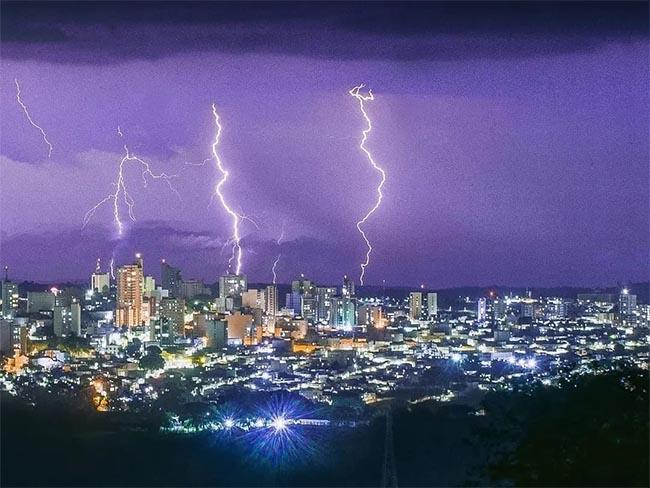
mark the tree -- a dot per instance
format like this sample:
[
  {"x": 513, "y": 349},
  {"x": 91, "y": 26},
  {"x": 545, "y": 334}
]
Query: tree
[{"x": 152, "y": 360}]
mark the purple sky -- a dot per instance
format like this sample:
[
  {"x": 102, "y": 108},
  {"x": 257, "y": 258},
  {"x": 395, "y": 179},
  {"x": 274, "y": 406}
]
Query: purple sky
[{"x": 516, "y": 150}]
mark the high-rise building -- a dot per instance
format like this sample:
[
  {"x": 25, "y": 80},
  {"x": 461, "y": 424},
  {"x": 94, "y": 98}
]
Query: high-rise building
[
  {"x": 148, "y": 285},
  {"x": 303, "y": 287},
  {"x": 239, "y": 327},
  {"x": 13, "y": 337},
  {"x": 216, "y": 334},
  {"x": 170, "y": 277},
  {"x": 309, "y": 309},
  {"x": 481, "y": 310},
  {"x": 67, "y": 319},
  {"x": 344, "y": 311},
  {"x": 293, "y": 302},
  {"x": 432, "y": 305},
  {"x": 626, "y": 302},
  {"x": 100, "y": 282},
  {"x": 10, "y": 296},
  {"x": 172, "y": 317},
  {"x": 347, "y": 290},
  {"x": 129, "y": 294},
  {"x": 254, "y": 299},
  {"x": 271, "y": 298},
  {"x": 231, "y": 289},
  {"x": 303, "y": 298},
  {"x": 415, "y": 305},
  {"x": 371, "y": 315},
  {"x": 500, "y": 308},
  {"x": 40, "y": 301},
  {"x": 324, "y": 295},
  {"x": 188, "y": 289}
]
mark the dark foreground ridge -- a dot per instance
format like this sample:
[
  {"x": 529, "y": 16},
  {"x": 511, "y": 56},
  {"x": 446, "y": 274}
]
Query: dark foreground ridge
[{"x": 590, "y": 431}]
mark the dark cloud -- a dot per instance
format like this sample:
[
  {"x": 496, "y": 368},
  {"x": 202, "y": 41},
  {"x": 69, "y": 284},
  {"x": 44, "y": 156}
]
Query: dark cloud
[{"x": 100, "y": 32}]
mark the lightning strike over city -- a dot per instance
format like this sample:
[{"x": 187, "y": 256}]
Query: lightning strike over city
[
  {"x": 31, "y": 121},
  {"x": 494, "y": 174},
  {"x": 361, "y": 98},
  {"x": 277, "y": 259},
  {"x": 121, "y": 193},
  {"x": 235, "y": 236}
]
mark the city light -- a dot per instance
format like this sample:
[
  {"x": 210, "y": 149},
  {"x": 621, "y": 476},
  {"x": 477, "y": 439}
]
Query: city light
[{"x": 279, "y": 423}]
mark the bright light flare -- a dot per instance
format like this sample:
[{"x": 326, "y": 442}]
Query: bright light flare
[
  {"x": 279, "y": 423},
  {"x": 361, "y": 98},
  {"x": 31, "y": 121}
]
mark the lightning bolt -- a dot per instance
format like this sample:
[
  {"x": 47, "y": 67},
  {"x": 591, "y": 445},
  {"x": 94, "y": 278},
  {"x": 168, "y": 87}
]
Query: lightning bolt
[
  {"x": 31, "y": 121},
  {"x": 112, "y": 268},
  {"x": 122, "y": 194},
  {"x": 356, "y": 93},
  {"x": 277, "y": 259},
  {"x": 236, "y": 218}
]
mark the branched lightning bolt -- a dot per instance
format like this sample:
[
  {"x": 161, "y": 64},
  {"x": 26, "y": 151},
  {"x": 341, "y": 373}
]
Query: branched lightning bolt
[
  {"x": 356, "y": 93},
  {"x": 121, "y": 192},
  {"x": 31, "y": 121},
  {"x": 277, "y": 260},
  {"x": 112, "y": 268},
  {"x": 236, "y": 218}
]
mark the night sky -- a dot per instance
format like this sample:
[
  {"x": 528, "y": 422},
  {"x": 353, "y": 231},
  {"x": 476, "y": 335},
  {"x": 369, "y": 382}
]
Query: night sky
[{"x": 514, "y": 137}]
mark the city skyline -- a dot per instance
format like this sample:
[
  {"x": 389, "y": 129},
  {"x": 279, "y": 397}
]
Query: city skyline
[
  {"x": 324, "y": 243},
  {"x": 502, "y": 167}
]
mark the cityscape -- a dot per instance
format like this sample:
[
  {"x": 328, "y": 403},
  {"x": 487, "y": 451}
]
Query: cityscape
[{"x": 324, "y": 244}]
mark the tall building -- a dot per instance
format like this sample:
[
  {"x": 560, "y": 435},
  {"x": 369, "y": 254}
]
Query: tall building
[
  {"x": 40, "y": 301},
  {"x": 129, "y": 294},
  {"x": 171, "y": 278},
  {"x": 303, "y": 298},
  {"x": 344, "y": 311},
  {"x": 100, "y": 282},
  {"x": 500, "y": 308},
  {"x": 481, "y": 310},
  {"x": 231, "y": 289},
  {"x": 172, "y": 317},
  {"x": 13, "y": 337},
  {"x": 190, "y": 288},
  {"x": 271, "y": 298},
  {"x": 371, "y": 315},
  {"x": 415, "y": 305},
  {"x": 148, "y": 285},
  {"x": 67, "y": 319},
  {"x": 432, "y": 305},
  {"x": 347, "y": 290},
  {"x": 10, "y": 299},
  {"x": 239, "y": 327},
  {"x": 216, "y": 332},
  {"x": 303, "y": 287},
  {"x": 293, "y": 302},
  {"x": 324, "y": 295},
  {"x": 254, "y": 299},
  {"x": 626, "y": 302}
]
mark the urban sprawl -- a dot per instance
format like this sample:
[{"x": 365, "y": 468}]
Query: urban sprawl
[{"x": 124, "y": 341}]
